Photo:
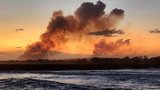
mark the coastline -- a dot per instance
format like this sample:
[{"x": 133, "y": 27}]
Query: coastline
[{"x": 83, "y": 64}]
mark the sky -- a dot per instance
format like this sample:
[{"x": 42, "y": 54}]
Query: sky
[{"x": 33, "y": 16}]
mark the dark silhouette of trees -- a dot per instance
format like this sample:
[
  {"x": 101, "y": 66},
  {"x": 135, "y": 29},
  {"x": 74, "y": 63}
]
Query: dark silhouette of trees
[{"x": 94, "y": 63}]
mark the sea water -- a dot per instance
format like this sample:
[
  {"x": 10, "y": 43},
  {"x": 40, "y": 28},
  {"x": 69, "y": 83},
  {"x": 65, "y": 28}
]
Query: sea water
[{"x": 125, "y": 79}]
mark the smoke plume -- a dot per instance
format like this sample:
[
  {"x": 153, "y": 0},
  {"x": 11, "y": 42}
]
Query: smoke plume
[
  {"x": 103, "y": 48},
  {"x": 155, "y": 30},
  {"x": 107, "y": 32},
  {"x": 88, "y": 12},
  {"x": 117, "y": 12},
  {"x": 89, "y": 17}
]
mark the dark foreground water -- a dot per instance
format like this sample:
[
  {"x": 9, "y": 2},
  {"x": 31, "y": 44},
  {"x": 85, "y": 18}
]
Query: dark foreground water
[{"x": 81, "y": 80}]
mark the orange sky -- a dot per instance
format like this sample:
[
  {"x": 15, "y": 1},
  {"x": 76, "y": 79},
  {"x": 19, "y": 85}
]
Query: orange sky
[{"x": 35, "y": 19}]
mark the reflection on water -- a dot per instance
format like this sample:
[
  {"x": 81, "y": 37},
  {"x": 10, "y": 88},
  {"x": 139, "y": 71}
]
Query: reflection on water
[{"x": 81, "y": 80}]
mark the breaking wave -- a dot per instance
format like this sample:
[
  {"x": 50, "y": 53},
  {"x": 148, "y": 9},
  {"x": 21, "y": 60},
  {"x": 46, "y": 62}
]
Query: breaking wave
[{"x": 81, "y": 80}]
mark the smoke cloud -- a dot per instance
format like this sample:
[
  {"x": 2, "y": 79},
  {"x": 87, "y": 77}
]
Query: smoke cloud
[
  {"x": 88, "y": 12},
  {"x": 103, "y": 48},
  {"x": 117, "y": 12},
  {"x": 107, "y": 32},
  {"x": 155, "y": 31},
  {"x": 89, "y": 17}
]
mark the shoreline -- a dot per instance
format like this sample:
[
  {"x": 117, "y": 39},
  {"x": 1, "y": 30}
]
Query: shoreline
[
  {"x": 66, "y": 67},
  {"x": 83, "y": 64}
]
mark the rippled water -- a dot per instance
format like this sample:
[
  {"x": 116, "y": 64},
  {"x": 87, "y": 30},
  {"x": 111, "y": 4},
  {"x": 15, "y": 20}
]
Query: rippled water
[{"x": 81, "y": 80}]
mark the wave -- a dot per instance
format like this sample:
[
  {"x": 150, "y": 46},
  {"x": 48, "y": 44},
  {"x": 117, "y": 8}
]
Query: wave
[
  {"x": 81, "y": 80},
  {"x": 31, "y": 84},
  {"x": 34, "y": 84}
]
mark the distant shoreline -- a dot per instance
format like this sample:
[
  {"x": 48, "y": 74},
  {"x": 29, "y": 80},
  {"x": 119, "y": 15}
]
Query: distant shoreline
[
  {"x": 83, "y": 64},
  {"x": 66, "y": 67}
]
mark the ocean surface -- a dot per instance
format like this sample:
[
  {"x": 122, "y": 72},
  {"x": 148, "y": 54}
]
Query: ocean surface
[{"x": 81, "y": 80}]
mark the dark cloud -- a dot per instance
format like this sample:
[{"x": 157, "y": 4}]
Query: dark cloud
[
  {"x": 19, "y": 29},
  {"x": 117, "y": 12},
  {"x": 36, "y": 51},
  {"x": 58, "y": 22},
  {"x": 103, "y": 48},
  {"x": 89, "y": 11},
  {"x": 155, "y": 30},
  {"x": 107, "y": 32}
]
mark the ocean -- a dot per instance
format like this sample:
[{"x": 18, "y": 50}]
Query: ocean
[{"x": 126, "y": 79}]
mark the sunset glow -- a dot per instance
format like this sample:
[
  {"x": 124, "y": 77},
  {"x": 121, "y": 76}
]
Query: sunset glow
[{"x": 38, "y": 19}]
